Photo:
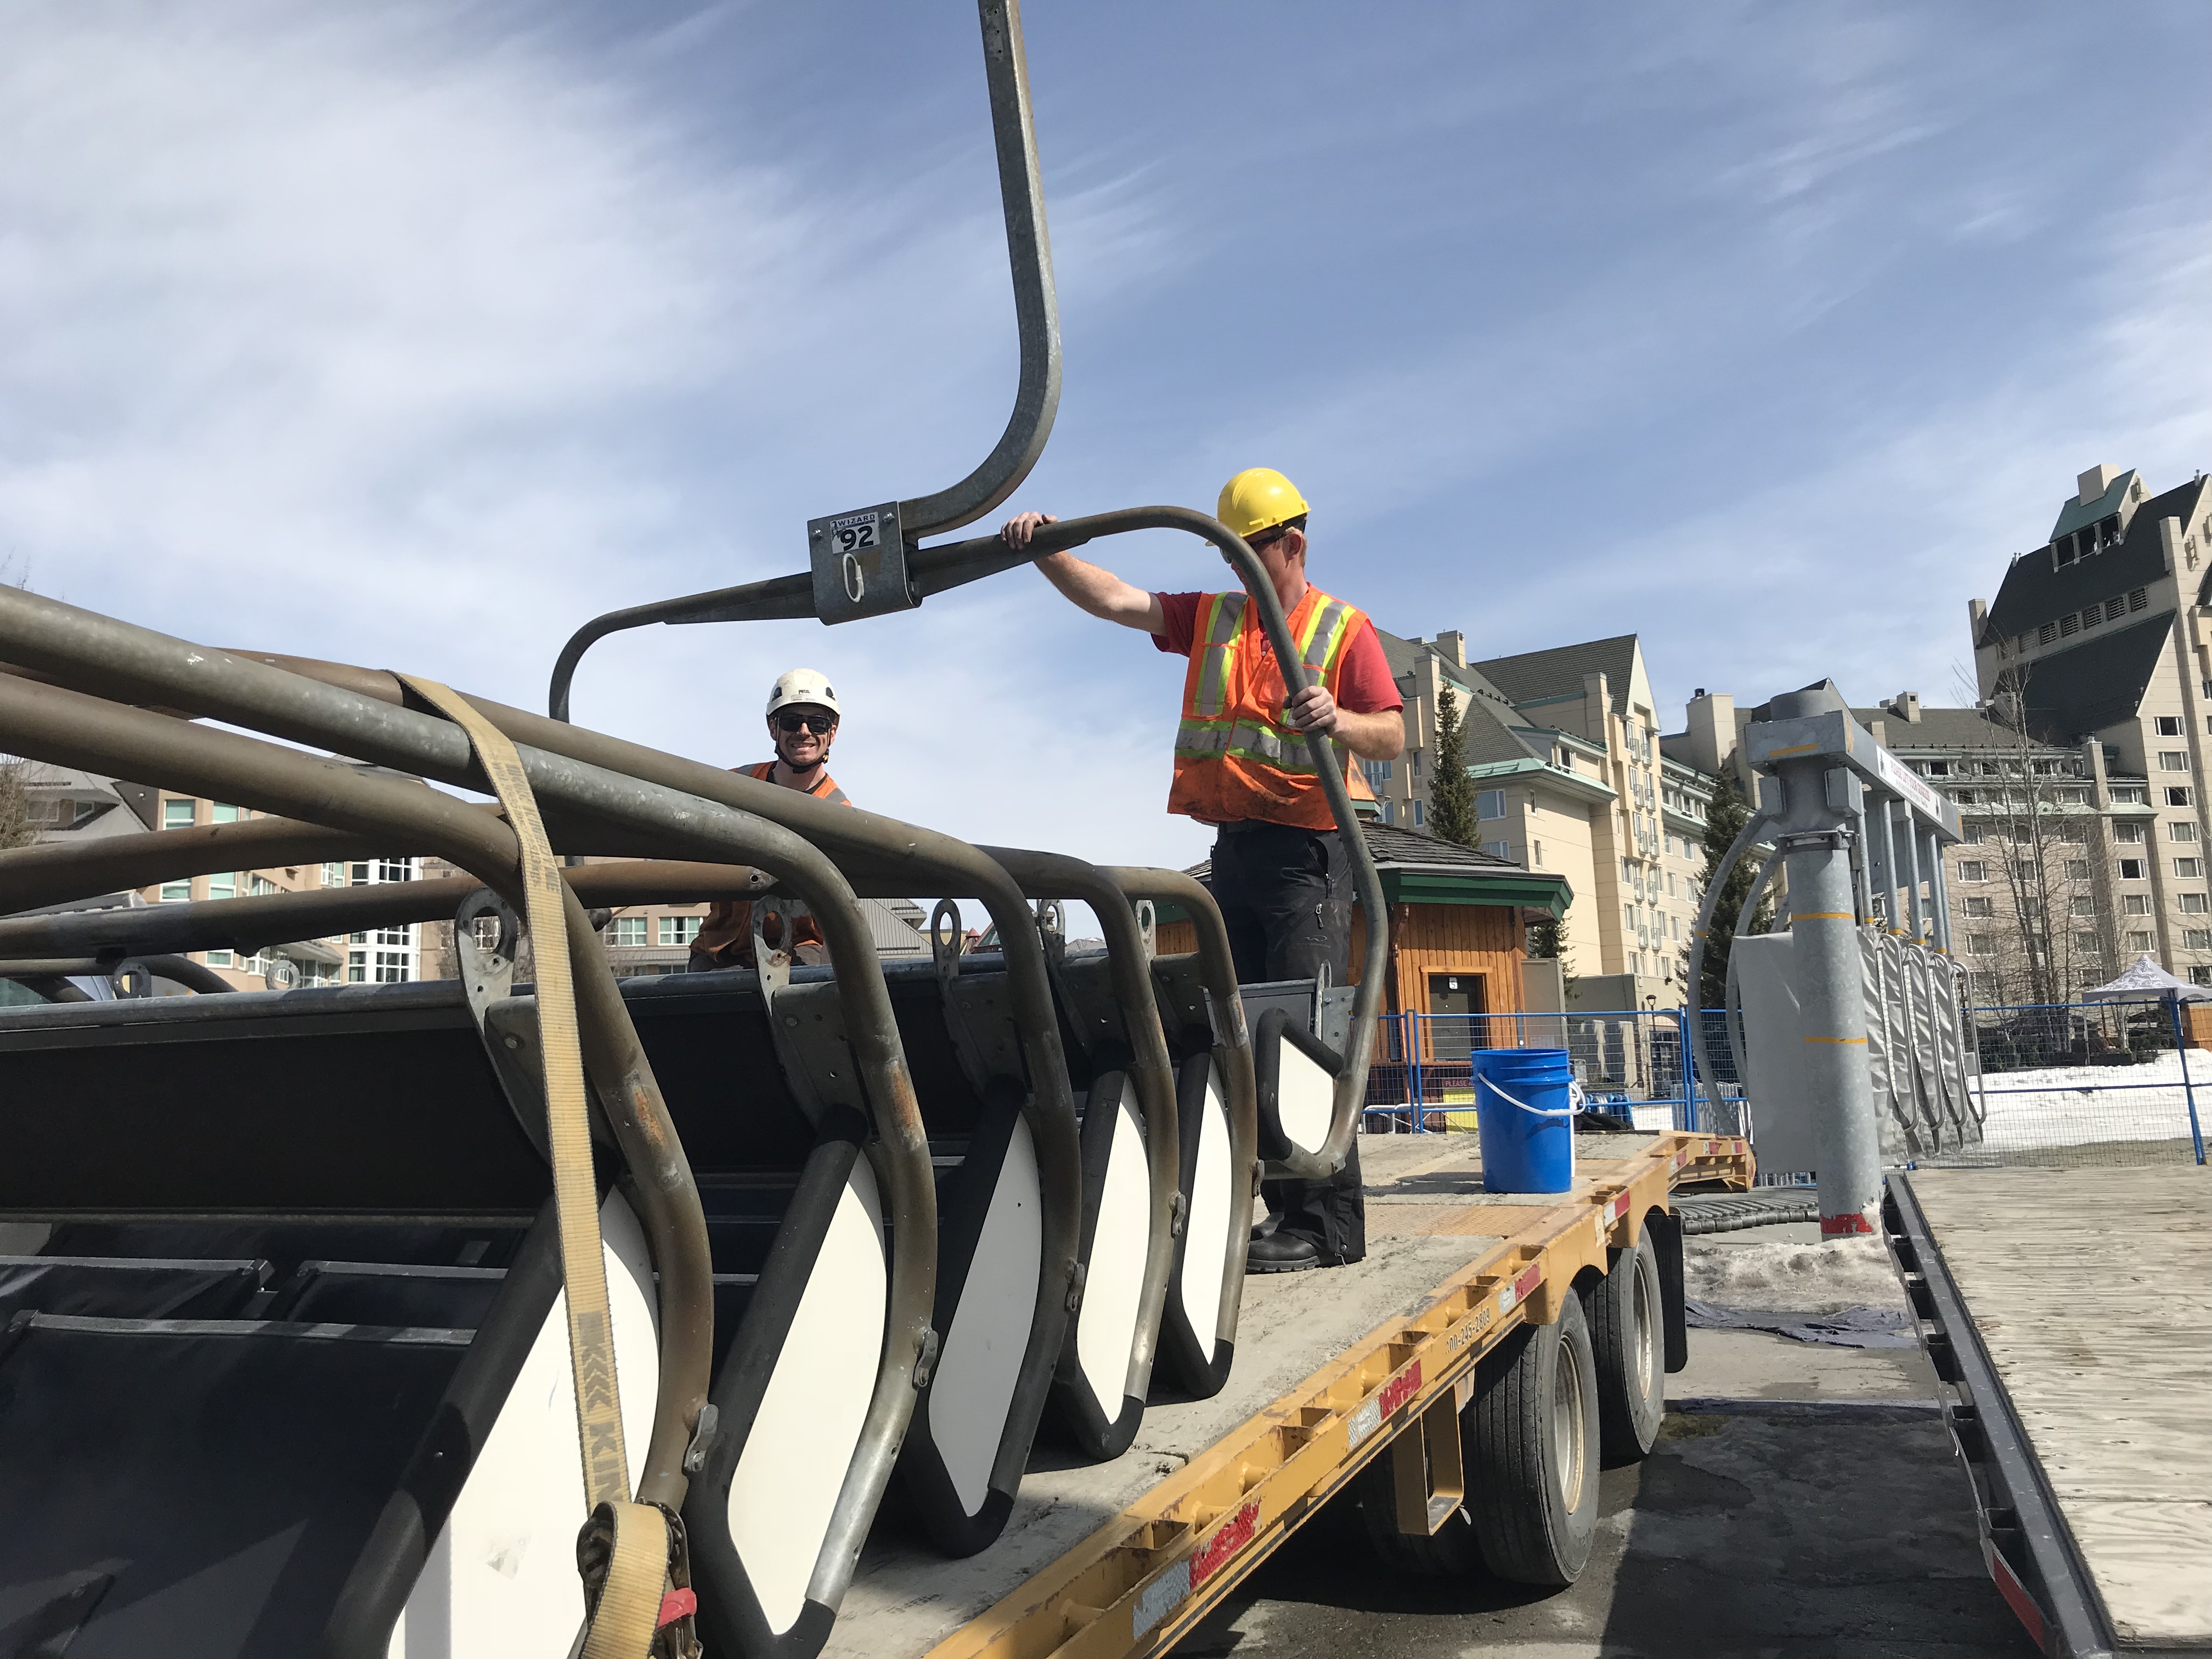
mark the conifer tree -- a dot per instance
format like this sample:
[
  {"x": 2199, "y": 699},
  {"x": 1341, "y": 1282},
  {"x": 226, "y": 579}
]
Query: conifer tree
[{"x": 1451, "y": 792}]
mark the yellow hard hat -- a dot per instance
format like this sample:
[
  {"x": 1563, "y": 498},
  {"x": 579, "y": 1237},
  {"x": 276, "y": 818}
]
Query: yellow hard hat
[{"x": 1259, "y": 498}]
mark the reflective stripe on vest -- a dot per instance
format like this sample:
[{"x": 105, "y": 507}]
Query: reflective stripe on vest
[{"x": 1209, "y": 732}]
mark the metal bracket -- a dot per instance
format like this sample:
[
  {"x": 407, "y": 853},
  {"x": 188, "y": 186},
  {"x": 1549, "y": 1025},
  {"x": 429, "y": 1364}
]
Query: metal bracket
[
  {"x": 924, "y": 1358},
  {"x": 808, "y": 1025},
  {"x": 1428, "y": 1474},
  {"x": 506, "y": 1024},
  {"x": 860, "y": 564},
  {"x": 1148, "y": 928},
  {"x": 977, "y": 1015},
  {"x": 703, "y": 1435},
  {"x": 1086, "y": 984}
]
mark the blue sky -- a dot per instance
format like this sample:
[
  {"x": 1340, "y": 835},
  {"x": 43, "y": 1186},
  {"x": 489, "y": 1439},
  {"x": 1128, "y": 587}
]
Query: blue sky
[{"x": 415, "y": 336}]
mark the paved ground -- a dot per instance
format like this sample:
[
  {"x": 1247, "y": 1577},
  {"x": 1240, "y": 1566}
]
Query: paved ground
[{"x": 1836, "y": 1530}]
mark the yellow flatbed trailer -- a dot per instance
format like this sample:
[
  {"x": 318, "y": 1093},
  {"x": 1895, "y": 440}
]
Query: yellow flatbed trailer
[{"x": 1334, "y": 1369}]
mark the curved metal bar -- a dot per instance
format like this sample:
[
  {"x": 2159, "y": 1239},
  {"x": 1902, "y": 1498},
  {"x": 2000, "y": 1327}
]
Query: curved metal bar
[
  {"x": 1233, "y": 1047},
  {"x": 1055, "y": 876},
  {"x": 179, "y": 970},
  {"x": 143, "y": 666},
  {"x": 1036, "y": 395},
  {"x": 1036, "y": 312},
  {"x": 247, "y": 924},
  {"x": 59, "y": 725},
  {"x": 1693, "y": 971},
  {"x": 939, "y": 569}
]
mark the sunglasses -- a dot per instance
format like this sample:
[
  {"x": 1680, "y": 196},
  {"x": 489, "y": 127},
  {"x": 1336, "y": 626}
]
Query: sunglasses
[{"x": 817, "y": 724}]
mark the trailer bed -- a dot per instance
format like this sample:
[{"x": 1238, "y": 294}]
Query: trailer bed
[
  {"x": 1123, "y": 1558},
  {"x": 2072, "y": 1312}
]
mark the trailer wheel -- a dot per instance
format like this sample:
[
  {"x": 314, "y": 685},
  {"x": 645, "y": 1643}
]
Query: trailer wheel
[
  {"x": 1627, "y": 1324},
  {"x": 1531, "y": 1445}
]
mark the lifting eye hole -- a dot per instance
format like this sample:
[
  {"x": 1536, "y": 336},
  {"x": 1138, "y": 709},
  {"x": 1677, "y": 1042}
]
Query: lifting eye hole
[{"x": 855, "y": 583}]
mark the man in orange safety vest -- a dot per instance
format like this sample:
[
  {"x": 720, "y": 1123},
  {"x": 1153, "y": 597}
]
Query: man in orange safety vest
[
  {"x": 1281, "y": 873},
  {"x": 802, "y": 723}
]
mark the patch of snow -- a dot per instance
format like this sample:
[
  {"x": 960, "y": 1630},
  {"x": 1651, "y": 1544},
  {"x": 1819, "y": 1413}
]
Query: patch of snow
[
  {"x": 1822, "y": 1277},
  {"x": 2073, "y": 1105}
]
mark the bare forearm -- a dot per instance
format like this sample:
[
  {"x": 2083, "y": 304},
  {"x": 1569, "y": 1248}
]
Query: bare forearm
[
  {"x": 1102, "y": 593},
  {"x": 1379, "y": 737}
]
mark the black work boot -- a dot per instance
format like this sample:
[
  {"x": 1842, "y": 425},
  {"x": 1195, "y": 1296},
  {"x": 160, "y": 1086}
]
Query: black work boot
[{"x": 1281, "y": 1253}]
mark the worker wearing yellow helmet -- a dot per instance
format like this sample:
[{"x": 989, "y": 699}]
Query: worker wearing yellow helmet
[
  {"x": 1280, "y": 872},
  {"x": 803, "y": 714}
]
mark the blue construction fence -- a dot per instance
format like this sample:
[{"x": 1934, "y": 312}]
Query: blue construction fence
[{"x": 1635, "y": 1064}]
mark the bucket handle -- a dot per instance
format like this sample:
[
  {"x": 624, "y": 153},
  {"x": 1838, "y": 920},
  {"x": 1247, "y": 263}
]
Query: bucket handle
[{"x": 1533, "y": 1111}]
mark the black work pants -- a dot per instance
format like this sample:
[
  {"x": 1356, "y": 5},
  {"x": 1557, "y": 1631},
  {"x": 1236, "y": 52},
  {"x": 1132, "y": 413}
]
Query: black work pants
[{"x": 1286, "y": 899}]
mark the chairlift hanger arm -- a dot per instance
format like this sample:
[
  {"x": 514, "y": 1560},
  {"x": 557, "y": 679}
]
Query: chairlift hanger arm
[{"x": 895, "y": 527}]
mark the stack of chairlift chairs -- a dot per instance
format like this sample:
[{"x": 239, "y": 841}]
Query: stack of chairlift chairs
[{"x": 287, "y": 1369}]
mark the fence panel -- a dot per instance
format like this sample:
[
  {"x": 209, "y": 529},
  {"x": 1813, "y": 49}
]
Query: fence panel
[
  {"x": 2081, "y": 1084},
  {"x": 1629, "y": 1062}
]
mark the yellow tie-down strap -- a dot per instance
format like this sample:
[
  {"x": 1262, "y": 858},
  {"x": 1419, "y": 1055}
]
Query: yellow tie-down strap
[{"x": 629, "y": 1611}]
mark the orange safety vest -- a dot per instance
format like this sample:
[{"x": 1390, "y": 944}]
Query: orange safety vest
[
  {"x": 1234, "y": 757},
  {"x": 727, "y": 935}
]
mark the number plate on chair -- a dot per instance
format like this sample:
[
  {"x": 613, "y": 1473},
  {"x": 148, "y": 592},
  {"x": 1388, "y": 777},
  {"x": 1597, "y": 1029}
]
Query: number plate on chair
[{"x": 859, "y": 563}]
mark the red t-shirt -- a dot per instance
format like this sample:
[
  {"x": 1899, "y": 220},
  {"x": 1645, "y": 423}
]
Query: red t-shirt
[{"x": 1363, "y": 682}]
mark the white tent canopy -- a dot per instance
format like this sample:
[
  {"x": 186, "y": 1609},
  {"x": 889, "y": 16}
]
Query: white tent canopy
[{"x": 2146, "y": 982}]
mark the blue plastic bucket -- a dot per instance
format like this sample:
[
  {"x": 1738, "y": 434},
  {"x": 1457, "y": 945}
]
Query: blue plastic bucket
[{"x": 1526, "y": 1123}]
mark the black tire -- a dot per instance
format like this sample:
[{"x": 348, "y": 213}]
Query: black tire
[
  {"x": 1531, "y": 1443},
  {"x": 1451, "y": 1554},
  {"x": 1628, "y": 1328}
]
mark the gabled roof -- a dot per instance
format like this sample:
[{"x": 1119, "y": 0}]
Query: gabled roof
[
  {"x": 1535, "y": 677},
  {"x": 2077, "y": 513},
  {"x": 2034, "y": 592},
  {"x": 2100, "y": 682}
]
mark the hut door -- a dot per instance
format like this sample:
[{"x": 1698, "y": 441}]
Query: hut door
[{"x": 1461, "y": 998}]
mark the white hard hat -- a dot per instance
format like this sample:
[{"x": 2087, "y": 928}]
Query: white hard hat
[{"x": 802, "y": 686}]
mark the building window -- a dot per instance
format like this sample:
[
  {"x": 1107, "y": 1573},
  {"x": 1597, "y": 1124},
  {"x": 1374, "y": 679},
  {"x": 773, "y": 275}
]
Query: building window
[
  {"x": 2081, "y": 904},
  {"x": 2173, "y": 760},
  {"x": 2201, "y": 974},
  {"x": 2128, "y": 834},
  {"x": 2086, "y": 943},
  {"x": 2131, "y": 869},
  {"x": 177, "y": 814},
  {"x": 395, "y": 870},
  {"x": 2177, "y": 797},
  {"x": 2169, "y": 725},
  {"x": 1980, "y": 945},
  {"x": 2128, "y": 794},
  {"x": 1378, "y": 773},
  {"x": 2136, "y": 905},
  {"x": 218, "y": 959},
  {"x": 2139, "y": 942},
  {"x": 1499, "y": 849},
  {"x": 625, "y": 930},
  {"x": 2196, "y": 938},
  {"x": 1420, "y": 813},
  {"x": 1981, "y": 907},
  {"x": 2180, "y": 830},
  {"x": 679, "y": 930},
  {"x": 2190, "y": 904},
  {"x": 1973, "y": 870},
  {"x": 334, "y": 875},
  {"x": 2024, "y": 870},
  {"x": 221, "y": 814},
  {"x": 1384, "y": 810},
  {"x": 257, "y": 885},
  {"x": 2073, "y": 797},
  {"x": 223, "y": 886},
  {"x": 2077, "y": 869},
  {"x": 176, "y": 893},
  {"x": 395, "y": 935},
  {"x": 1490, "y": 804}
]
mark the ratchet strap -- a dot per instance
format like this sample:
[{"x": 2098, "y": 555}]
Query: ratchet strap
[{"x": 628, "y": 1607}]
